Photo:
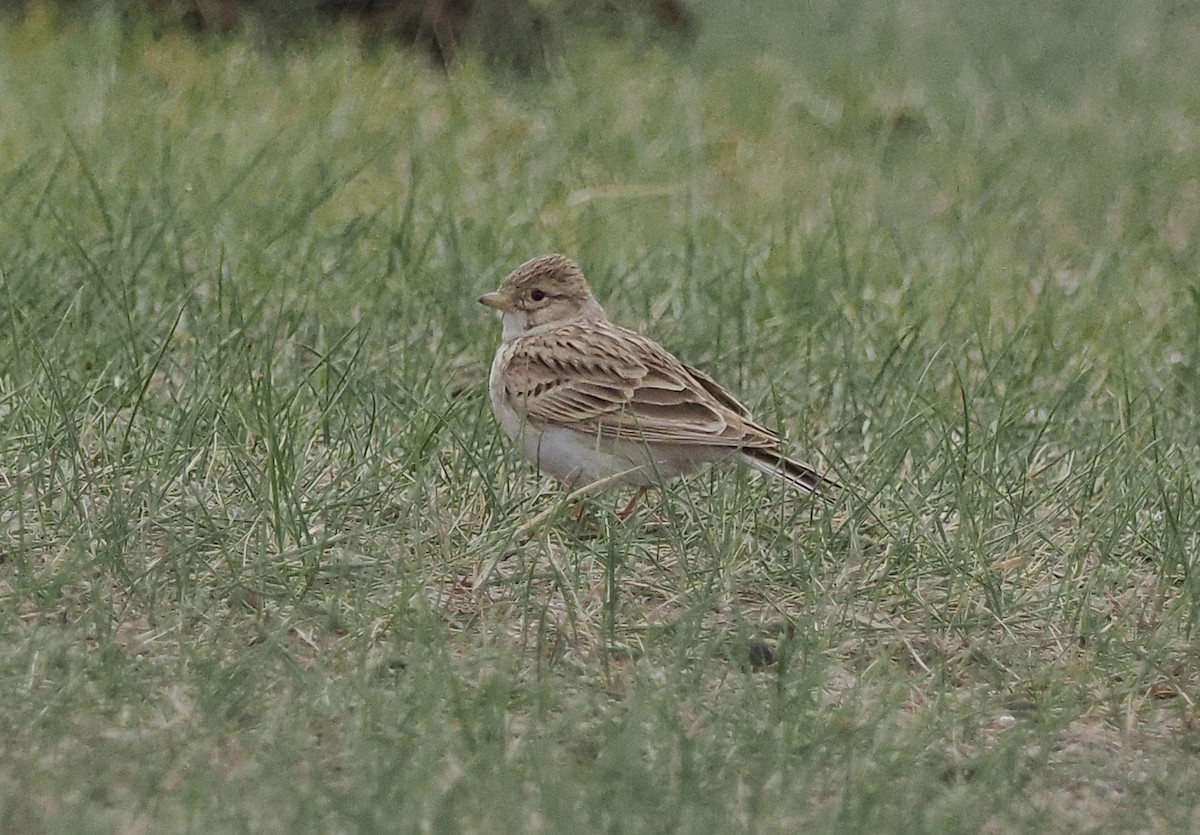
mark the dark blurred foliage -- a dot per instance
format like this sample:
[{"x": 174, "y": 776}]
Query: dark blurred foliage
[{"x": 514, "y": 35}]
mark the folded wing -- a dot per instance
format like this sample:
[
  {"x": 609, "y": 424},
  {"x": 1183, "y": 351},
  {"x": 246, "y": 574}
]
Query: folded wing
[{"x": 599, "y": 378}]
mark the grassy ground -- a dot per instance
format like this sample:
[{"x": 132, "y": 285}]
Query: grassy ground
[{"x": 260, "y": 563}]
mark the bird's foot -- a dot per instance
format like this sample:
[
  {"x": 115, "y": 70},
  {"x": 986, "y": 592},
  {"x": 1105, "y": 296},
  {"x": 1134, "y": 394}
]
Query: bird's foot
[{"x": 624, "y": 513}]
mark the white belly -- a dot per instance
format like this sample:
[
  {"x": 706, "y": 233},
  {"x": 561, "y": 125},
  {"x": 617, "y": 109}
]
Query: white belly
[{"x": 579, "y": 458}]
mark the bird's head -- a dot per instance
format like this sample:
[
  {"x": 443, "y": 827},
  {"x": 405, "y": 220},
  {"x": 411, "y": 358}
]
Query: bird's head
[{"x": 548, "y": 290}]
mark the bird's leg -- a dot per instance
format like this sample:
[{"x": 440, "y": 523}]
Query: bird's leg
[{"x": 624, "y": 514}]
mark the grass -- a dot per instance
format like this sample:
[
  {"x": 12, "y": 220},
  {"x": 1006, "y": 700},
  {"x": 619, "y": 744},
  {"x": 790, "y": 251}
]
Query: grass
[{"x": 260, "y": 564}]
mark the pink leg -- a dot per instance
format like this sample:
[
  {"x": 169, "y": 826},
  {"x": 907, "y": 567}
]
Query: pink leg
[{"x": 624, "y": 514}]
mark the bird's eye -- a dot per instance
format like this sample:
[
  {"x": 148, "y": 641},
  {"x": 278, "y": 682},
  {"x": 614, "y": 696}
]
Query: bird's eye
[{"x": 537, "y": 295}]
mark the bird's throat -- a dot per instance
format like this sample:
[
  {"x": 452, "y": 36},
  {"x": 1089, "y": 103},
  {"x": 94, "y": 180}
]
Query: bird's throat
[{"x": 514, "y": 326}]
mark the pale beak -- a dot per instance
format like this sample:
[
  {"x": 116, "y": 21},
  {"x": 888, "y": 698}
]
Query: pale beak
[{"x": 495, "y": 300}]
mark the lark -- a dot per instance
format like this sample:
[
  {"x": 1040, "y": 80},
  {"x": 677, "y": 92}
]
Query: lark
[{"x": 586, "y": 399}]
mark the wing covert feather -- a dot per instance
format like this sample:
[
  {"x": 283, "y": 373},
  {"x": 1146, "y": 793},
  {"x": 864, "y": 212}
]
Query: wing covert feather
[{"x": 600, "y": 378}]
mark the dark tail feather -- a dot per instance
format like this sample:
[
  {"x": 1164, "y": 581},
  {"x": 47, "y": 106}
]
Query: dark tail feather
[{"x": 801, "y": 476}]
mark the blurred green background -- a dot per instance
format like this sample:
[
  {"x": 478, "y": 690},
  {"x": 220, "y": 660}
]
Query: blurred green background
[{"x": 259, "y": 564}]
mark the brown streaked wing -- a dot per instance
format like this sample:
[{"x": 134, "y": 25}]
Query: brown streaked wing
[
  {"x": 718, "y": 391},
  {"x": 599, "y": 378}
]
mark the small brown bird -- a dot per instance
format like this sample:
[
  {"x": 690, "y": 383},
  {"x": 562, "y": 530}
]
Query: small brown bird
[{"x": 587, "y": 399}]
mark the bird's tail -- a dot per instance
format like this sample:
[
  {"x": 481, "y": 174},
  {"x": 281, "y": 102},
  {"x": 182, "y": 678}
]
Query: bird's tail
[{"x": 801, "y": 476}]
